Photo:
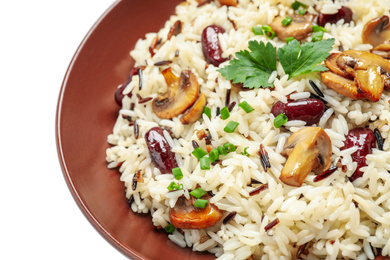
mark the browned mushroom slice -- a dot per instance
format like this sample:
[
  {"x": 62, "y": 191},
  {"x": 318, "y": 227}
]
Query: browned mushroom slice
[
  {"x": 370, "y": 72},
  {"x": 185, "y": 215},
  {"x": 195, "y": 112},
  {"x": 376, "y": 31},
  {"x": 299, "y": 28},
  {"x": 308, "y": 149},
  {"x": 331, "y": 63},
  {"x": 181, "y": 94},
  {"x": 341, "y": 85},
  {"x": 362, "y": 59},
  {"x": 228, "y": 2},
  {"x": 382, "y": 50},
  {"x": 370, "y": 82}
]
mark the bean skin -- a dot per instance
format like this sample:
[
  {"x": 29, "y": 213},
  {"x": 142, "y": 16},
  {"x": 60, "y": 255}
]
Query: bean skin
[
  {"x": 210, "y": 45},
  {"x": 364, "y": 139},
  {"x": 160, "y": 151},
  {"x": 309, "y": 110},
  {"x": 343, "y": 13}
]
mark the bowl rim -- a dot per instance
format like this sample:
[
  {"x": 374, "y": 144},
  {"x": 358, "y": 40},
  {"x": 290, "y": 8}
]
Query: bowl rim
[{"x": 60, "y": 151}]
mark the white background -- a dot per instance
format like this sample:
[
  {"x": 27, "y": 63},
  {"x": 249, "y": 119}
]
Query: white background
[{"x": 38, "y": 217}]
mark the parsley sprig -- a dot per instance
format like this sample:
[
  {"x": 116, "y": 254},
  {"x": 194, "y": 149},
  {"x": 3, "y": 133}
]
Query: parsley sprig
[{"x": 253, "y": 68}]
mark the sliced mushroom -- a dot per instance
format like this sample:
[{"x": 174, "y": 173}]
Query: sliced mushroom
[
  {"x": 299, "y": 28},
  {"x": 370, "y": 82},
  {"x": 181, "y": 94},
  {"x": 376, "y": 31},
  {"x": 331, "y": 63},
  {"x": 382, "y": 50},
  {"x": 195, "y": 111},
  {"x": 370, "y": 74},
  {"x": 341, "y": 85},
  {"x": 362, "y": 59},
  {"x": 308, "y": 149},
  {"x": 185, "y": 215}
]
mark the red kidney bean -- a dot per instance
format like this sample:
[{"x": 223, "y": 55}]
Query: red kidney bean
[
  {"x": 309, "y": 110},
  {"x": 119, "y": 92},
  {"x": 210, "y": 44},
  {"x": 343, "y": 13},
  {"x": 364, "y": 139},
  {"x": 160, "y": 151}
]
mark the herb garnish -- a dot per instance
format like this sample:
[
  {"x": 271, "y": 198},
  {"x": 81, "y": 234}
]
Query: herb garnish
[
  {"x": 253, "y": 68},
  {"x": 297, "y": 59}
]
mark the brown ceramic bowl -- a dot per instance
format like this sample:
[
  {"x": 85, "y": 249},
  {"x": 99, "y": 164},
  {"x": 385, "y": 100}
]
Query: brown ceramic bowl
[{"x": 86, "y": 114}]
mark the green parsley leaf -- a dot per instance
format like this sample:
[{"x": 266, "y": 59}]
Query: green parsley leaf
[
  {"x": 252, "y": 68},
  {"x": 297, "y": 59}
]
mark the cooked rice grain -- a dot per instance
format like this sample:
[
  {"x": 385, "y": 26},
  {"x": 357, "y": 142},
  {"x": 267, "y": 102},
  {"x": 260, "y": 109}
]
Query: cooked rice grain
[{"x": 334, "y": 217}]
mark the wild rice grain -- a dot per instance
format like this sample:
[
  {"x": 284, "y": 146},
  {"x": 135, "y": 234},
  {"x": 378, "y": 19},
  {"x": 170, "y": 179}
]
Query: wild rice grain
[
  {"x": 271, "y": 224},
  {"x": 379, "y": 139},
  {"x": 136, "y": 130},
  {"x": 316, "y": 89},
  {"x": 229, "y": 217},
  {"x": 227, "y": 98},
  {"x": 325, "y": 174},
  {"x": 258, "y": 189},
  {"x": 140, "y": 79},
  {"x": 162, "y": 63}
]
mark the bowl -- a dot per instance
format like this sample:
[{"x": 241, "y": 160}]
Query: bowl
[{"x": 86, "y": 113}]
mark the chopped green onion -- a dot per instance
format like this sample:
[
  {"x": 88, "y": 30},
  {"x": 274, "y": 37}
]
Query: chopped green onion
[
  {"x": 317, "y": 28},
  {"x": 222, "y": 150},
  {"x": 280, "y": 120},
  {"x": 317, "y": 36},
  {"x": 246, "y": 107},
  {"x": 197, "y": 193},
  {"x": 230, "y": 127},
  {"x": 225, "y": 113},
  {"x": 286, "y": 21},
  {"x": 297, "y": 4},
  {"x": 199, "y": 152},
  {"x": 229, "y": 147},
  {"x": 268, "y": 31},
  {"x": 177, "y": 173},
  {"x": 257, "y": 30},
  {"x": 170, "y": 228},
  {"x": 204, "y": 163},
  {"x": 199, "y": 203},
  {"x": 289, "y": 39},
  {"x": 214, "y": 155},
  {"x": 207, "y": 111},
  {"x": 245, "y": 152},
  {"x": 302, "y": 11},
  {"x": 174, "y": 186},
  {"x": 264, "y": 29}
]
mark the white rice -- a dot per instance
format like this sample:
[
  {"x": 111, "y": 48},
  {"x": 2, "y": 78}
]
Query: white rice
[{"x": 337, "y": 219}]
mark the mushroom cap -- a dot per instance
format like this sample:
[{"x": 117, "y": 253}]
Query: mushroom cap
[
  {"x": 308, "y": 149},
  {"x": 185, "y": 215},
  {"x": 376, "y": 31},
  {"x": 195, "y": 111},
  {"x": 299, "y": 28},
  {"x": 181, "y": 94}
]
